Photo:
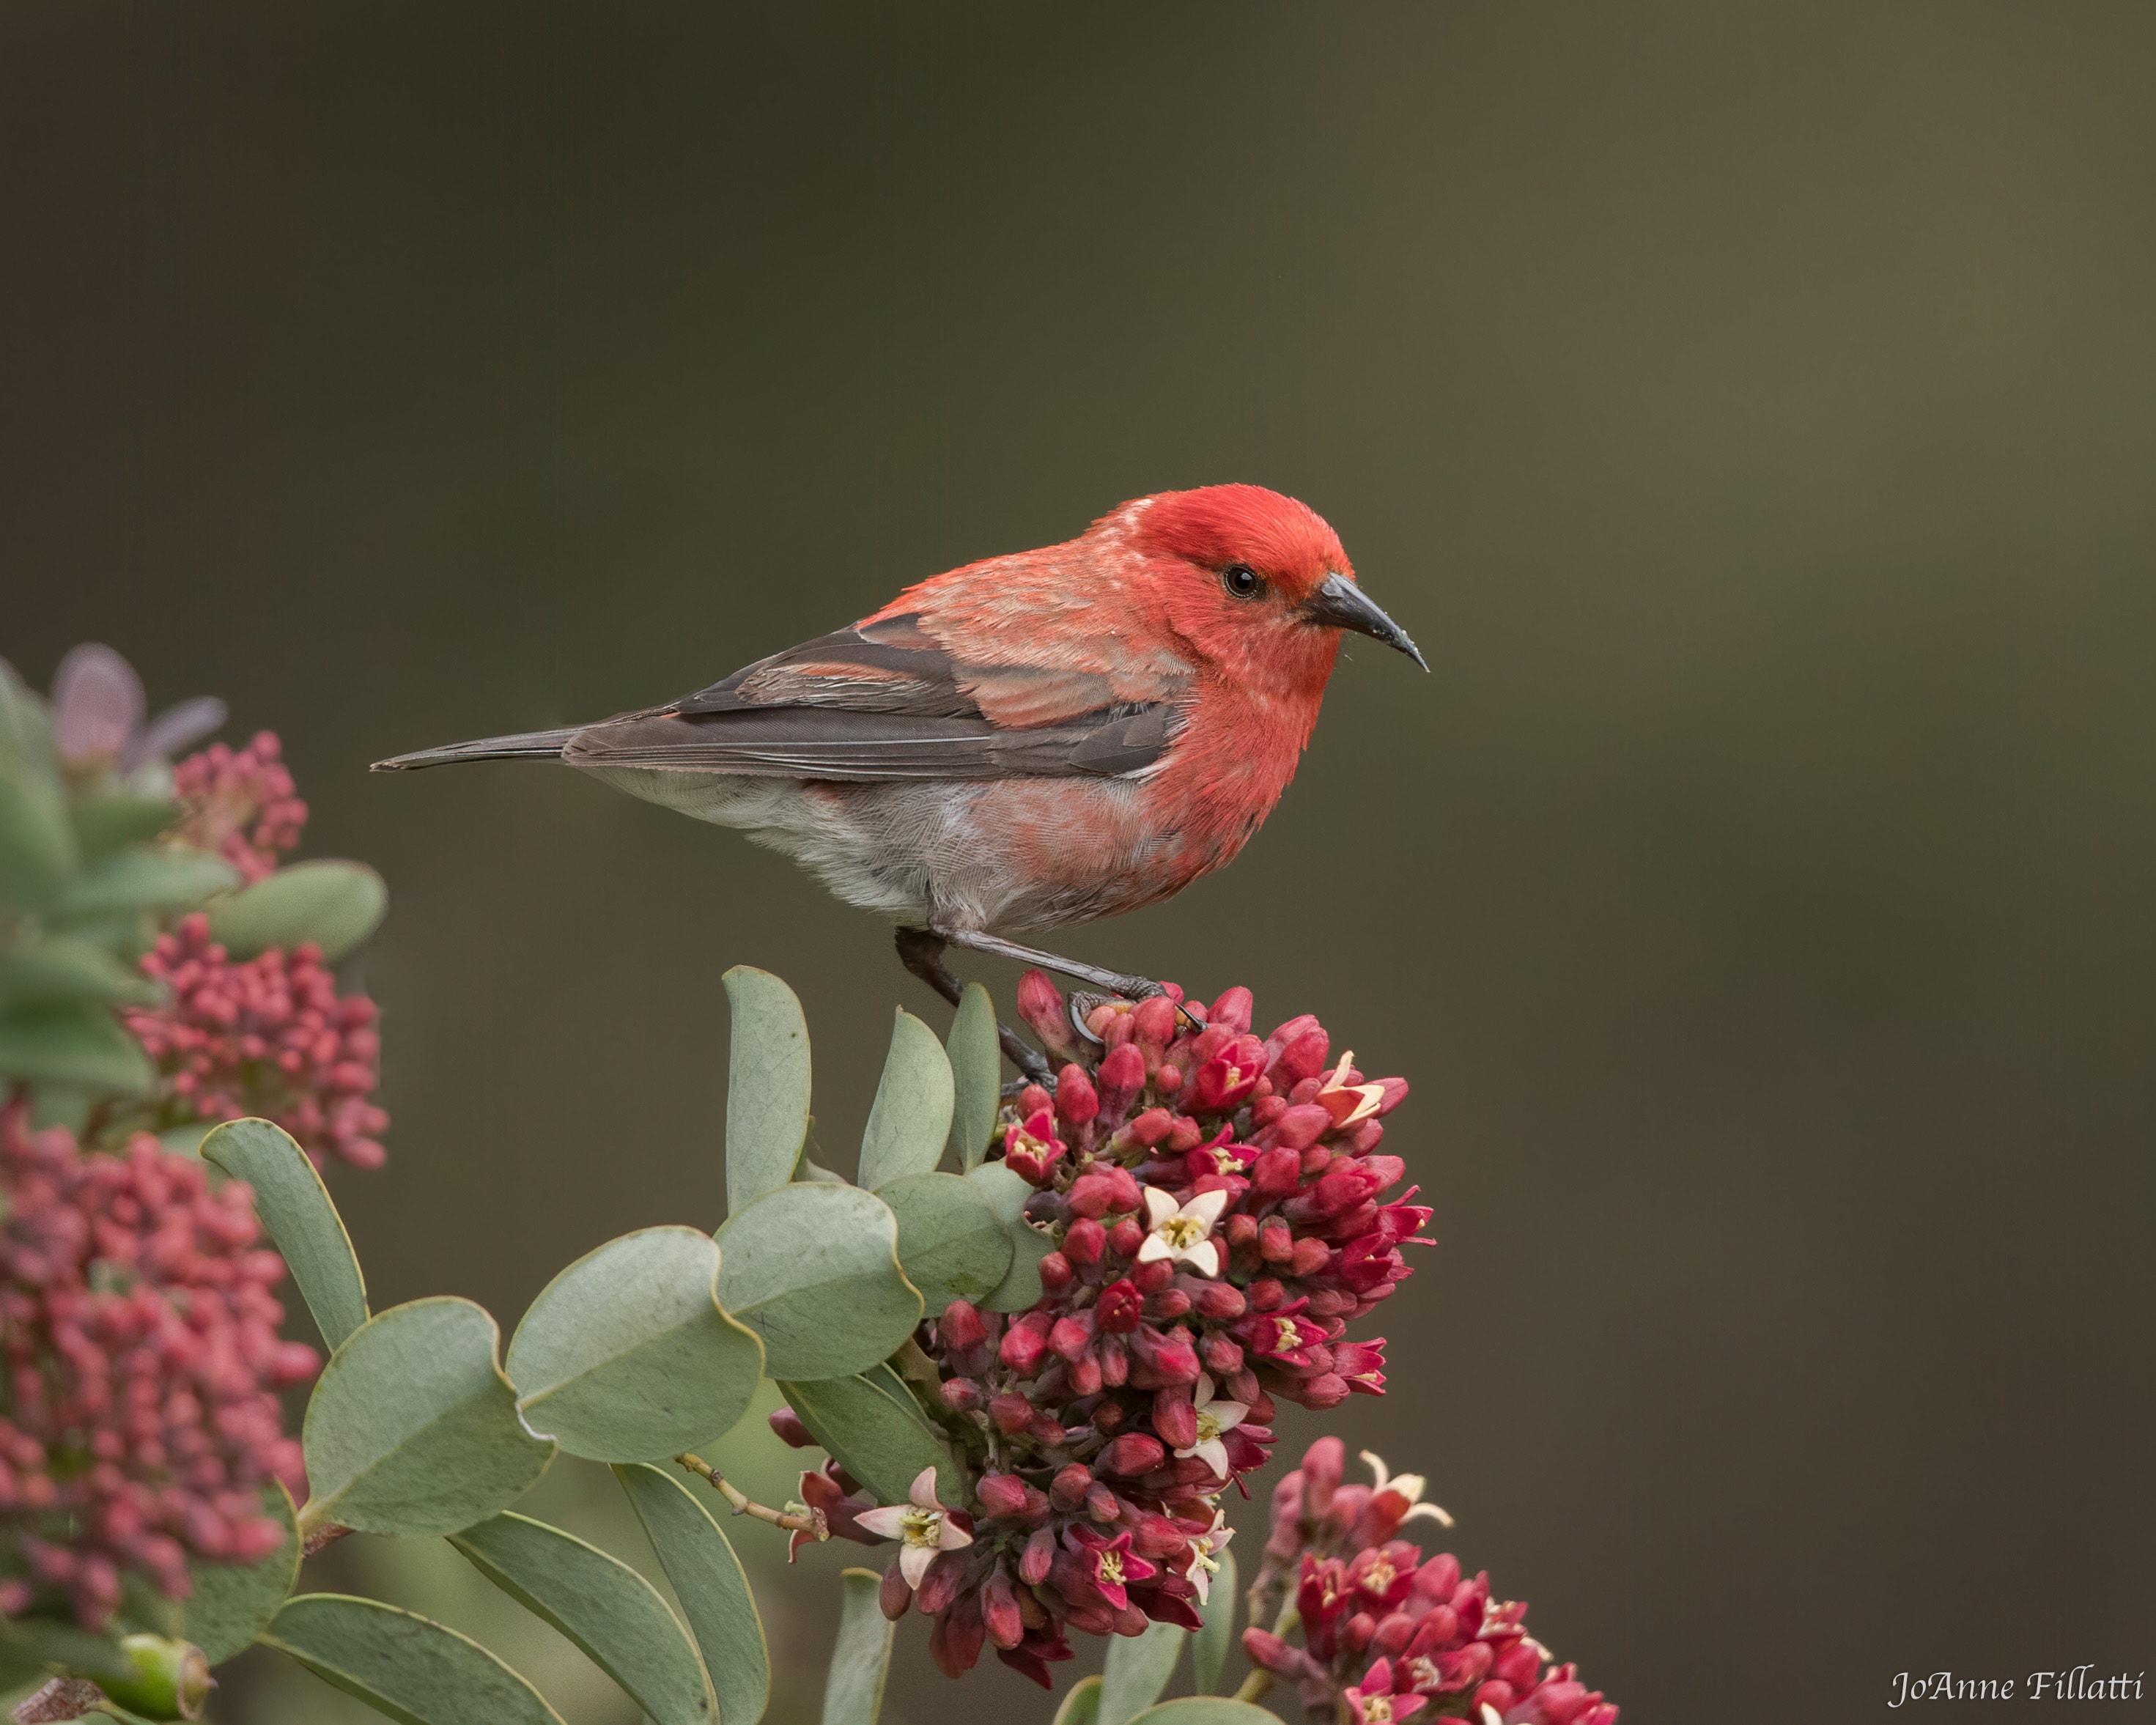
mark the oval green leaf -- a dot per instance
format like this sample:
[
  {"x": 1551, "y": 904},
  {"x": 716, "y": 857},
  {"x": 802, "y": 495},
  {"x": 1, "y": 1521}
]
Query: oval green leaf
[
  {"x": 107, "y": 824},
  {"x": 66, "y": 968},
  {"x": 294, "y": 1206},
  {"x": 766, "y": 1086},
  {"x": 853, "y": 1691},
  {"x": 406, "y": 1666},
  {"x": 952, "y": 1244},
  {"x": 413, "y": 1428},
  {"x": 77, "y": 1043},
  {"x": 910, "y": 1117},
  {"x": 1082, "y": 1705},
  {"x": 232, "y": 1602},
  {"x": 37, "y": 846},
  {"x": 1020, "y": 1288},
  {"x": 145, "y": 881},
  {"x": 1206, "y": 1710},
  {"x": 336, "y": 905},
  {"x": 606, "y": 1608},
  {"x": 1209, "y": 1647},
  {"x": 862, "y": 1427},
  {"x": 1138, "y": 1669},
  {"x": 813, "y": 1270},
  {"x": 709, "y": 1581},
  {"x": 625, "y": 1356},
  {"x": 977, "y": 1075}
]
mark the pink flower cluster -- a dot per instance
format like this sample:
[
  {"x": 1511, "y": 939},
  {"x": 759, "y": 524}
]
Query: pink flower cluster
[
  {"x": 270, "y": 1037},
  {"x": 239, "y": 804},
  {"x": 1216, "y": 1200},
  {"x": 1385, "y": 1634},
  {"x": 140, "y": 1338}
]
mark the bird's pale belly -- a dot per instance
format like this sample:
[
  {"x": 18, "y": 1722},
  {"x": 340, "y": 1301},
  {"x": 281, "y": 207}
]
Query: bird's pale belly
[{"x": 1005, "y": 855}]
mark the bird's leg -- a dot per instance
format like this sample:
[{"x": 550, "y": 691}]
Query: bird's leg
[
  {"x": 921, "y": 953},
  {"x": 1131, "y": 987}
]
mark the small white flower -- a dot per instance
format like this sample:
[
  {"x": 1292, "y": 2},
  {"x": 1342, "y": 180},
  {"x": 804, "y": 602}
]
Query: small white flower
[
  {"x": 1204, "y": 1555},
  {"x": 1214, "y": 1418},
  {"x": 922, "y": 1524},
  {"x": 1409, "y": 1486},
  {"x": 1349, "y": 1104},
  {"x": 1184, "y": 1235}
]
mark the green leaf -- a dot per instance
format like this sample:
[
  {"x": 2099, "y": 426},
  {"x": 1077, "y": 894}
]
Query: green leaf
[
  {"x": 409, "y": 1667},
  {"x": 413, "y": 1428},
  {"x": 977, "y": 1075},
  {"x": 766, "y": 1086},
  {"x": 36, "y": 845},
  {"x": 294, "y": 1206},
  {"x": 1206, "y": 1710},
  {"x": 145, "y": 881},
  {"x": 1020, "y": 1288},
  {"x": 232, "y": 1602},
  {"x": 1137, "y": 1669},
  {"x": 30, "y": 1646},
  {"x": 612, "y": 1612},
  {"x": 1082, "y": 1705},
  {"x": 336, "y": 905},
  {"x": 886, "y": 1379},
  {"x": 73, "y": 1042},
  {"x": 105, "y": 824},
  {"x": 813, "y": 1270},
  {"x": 625, "y": 1356},
  {"x": 952, "y": 1244},
  {"x": 910, "y": 1117},
  {"x": 862, "y": 1427},
  {"x": 26, "y": 721},
  {"x": 708, "y": 1580},
  {"x": 66, "y": 967},
  {"x": 853, "y": 1692},
  {"x": 1209, "y": 1647}
]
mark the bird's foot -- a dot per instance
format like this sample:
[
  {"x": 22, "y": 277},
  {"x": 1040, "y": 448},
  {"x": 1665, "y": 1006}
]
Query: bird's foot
[
  {"x": 1115, "y": 981},
  {"x": 921, "y": 952}
]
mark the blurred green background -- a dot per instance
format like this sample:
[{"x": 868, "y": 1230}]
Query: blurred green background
[{"x": 1753, "y": 411}]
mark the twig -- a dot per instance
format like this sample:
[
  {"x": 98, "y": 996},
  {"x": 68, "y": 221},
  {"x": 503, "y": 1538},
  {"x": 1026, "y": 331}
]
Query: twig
[
  {"x": 317, "y": 1537},
  {"x": 802, "y": 1521},
  {"x": 63, "y": 1698}
]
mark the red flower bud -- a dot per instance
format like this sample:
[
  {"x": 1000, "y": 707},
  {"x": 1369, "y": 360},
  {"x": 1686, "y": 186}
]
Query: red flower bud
[
  {"x": 1076, "y": 1100},
  {"x": 1085, "y": 1241},
  {"x": 1121, "y": 1077},
  {"x": 791, "y": 1431},
  {"x": 1012, "y": 1413},
  {"x": 1001, "y": 1494},
  {"x": 1056, "y": 1273},
  {"x": 1117, "y": 1311},
  {"x": 1041, "y": 1006},
  {"x": 1175, "y": 1418},
  {"x": 1298, "y": 1128},
  {"x": 963, "y": 1396},
  {"x": 1132, "y": 1454},
  {"x": 1276, "y": 1173},
  {"x": 1026, "y": 1343},
  {"x": 960, "y": 1326},
  {"x": 1126, "y": 1237},
  {"x": 1231, "y": 1012},
  {"x": 894, "y": 1596},
  {"x": 1039, "y": 1553},
  {"x": 999, "y": 1613}
]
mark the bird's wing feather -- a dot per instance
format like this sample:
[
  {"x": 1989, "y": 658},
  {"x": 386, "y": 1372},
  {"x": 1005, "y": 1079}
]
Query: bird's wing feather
[
  {"x": 885, "y": 700},
  {"x": 837, "y": 743}
]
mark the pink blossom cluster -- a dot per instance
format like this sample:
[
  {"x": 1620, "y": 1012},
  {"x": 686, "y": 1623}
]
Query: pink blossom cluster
[
  {"x": 269, "y": 1037},
  {"x": 239, "y": 804},
  {"x": 1388, "y": 1636},
  {"x": 1216, "y": 1202},
  {"x": 140, "y": 1338}
]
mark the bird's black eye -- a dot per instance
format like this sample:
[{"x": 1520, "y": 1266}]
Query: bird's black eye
[{"x": 1242, "y": 580}]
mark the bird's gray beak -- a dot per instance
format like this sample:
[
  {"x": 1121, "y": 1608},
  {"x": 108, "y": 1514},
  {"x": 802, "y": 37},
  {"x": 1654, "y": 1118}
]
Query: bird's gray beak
[{"x": 1342, "y": 604}]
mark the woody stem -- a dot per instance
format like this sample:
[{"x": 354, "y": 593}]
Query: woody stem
[{"x": 806, "y": 1522}]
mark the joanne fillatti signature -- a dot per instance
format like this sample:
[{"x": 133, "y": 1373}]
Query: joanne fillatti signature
[{"x": 2077, "y": 1683}]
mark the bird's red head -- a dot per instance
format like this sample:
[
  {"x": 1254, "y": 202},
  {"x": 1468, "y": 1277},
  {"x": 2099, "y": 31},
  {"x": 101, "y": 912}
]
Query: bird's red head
[{"x": 1255, "y": 581}]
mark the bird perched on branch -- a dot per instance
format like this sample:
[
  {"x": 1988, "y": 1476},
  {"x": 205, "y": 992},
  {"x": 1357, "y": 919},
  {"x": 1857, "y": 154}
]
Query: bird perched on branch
[{"x": 1023, "y": 743}]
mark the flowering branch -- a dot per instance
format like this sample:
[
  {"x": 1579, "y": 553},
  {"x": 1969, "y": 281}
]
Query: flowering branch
[{"x": 795, "y": 1519}]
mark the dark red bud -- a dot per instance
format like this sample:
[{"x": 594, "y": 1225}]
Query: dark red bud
[
  {"x": 963, "y": 1396},
  {"x": 791, "y": 1431},
  {"x": 1126, "y": 1237},
  {"x": 1102, "y": 1504},
  {"x": 1085, "y": 1239},
  {"x": 1121, "y": 1077},
  {"x": 960, "y": 1326},
  {"x": 894, "y": 1596},
  {"x": 1012, "y": 1413},
  {"x": 1001, "y": 1494},
  {"x": 1076, "y": 1100},
  {"x": 1132, "y": 1453},
  {"x": 1055, "y": 1272},
  {"x": 1068, "y": 1489},
  {"x": 1309, "y": 1256},
  {"x": 1174, "y": 1417},
  {"x": 1041, "y": 1006},
  {"x": 1039, "y": 1553}
]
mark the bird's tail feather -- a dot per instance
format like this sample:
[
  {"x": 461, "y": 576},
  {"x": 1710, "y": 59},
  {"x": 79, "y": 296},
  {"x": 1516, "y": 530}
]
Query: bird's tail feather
[{"x": 527, "y": 745}]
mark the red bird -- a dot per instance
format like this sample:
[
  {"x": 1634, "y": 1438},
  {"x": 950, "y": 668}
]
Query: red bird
[{"x": 1021, "y": 743}]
